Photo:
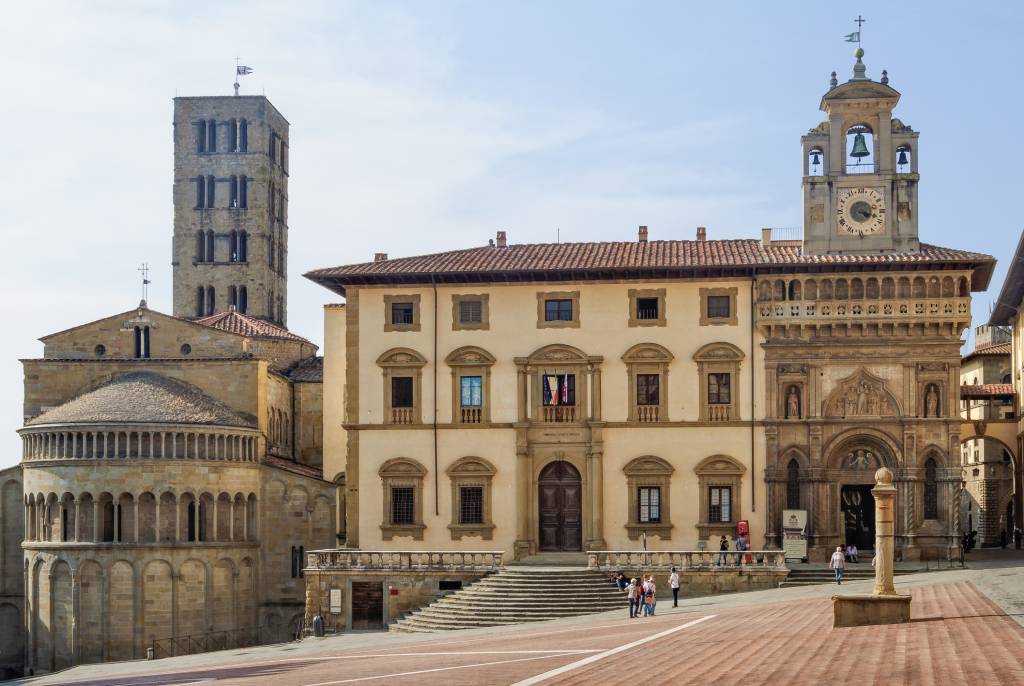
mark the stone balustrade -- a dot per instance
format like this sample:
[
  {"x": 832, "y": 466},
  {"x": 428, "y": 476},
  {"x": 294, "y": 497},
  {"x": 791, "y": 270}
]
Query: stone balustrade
[
  {"x": 684, "y": 560},
  {"x": 404, "y": 560},
  {"x": 156, "y": 442},
  {"x": 900, "y": 309}
]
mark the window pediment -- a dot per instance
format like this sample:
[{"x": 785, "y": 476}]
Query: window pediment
[
  {"x": 717, "y": 352},
  {"x": 647, "y": 352},
  {"x": 719, "y": 465},
  {"x": 560, "y": 353},
  {"x": 401, "y": 357},
  {"x": 402, "y": 467},
  {"x": 469, "y": 355},
  {"x": 648, "y": 465},
  {"x": 471, "y": 466}
]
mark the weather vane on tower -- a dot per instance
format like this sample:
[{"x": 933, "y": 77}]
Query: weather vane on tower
[
  {"x": 240, "y": 70},
  {"x": 144, "y": 270},
  {"x": 855, "y": 36}
]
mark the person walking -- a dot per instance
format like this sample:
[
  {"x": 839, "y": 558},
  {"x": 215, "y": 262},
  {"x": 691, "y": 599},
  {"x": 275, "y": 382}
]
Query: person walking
[
  {"x": 1002, "y": 539},
  {"x": 838, "y": 562},
  {"x": 652, "y": 597},
  {"x": 1017, "y": 535},
  {"x": 633, "y": 592},
  {"x": 723, "y": 548},
  {"x": 673, "y": 581}
]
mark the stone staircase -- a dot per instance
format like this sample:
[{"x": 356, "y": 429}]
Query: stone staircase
[
  {"x": 517, "y": 594},
  {"x": 801, "y": 576}
]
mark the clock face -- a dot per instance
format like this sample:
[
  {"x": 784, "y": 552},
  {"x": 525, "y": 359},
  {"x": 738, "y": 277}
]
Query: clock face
[{"x": 861, "y": 211}]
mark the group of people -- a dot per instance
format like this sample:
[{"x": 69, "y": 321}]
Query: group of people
[
  {"x": 642, "y": 594},
  {"x": 742, "y": 546},
  {"x": 1017, "y": 536}
]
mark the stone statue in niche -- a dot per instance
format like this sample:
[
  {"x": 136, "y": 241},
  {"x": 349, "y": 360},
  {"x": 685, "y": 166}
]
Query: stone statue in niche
[
  {"x": 931, "y": 402},
  {"x": 793, "y": 403}
]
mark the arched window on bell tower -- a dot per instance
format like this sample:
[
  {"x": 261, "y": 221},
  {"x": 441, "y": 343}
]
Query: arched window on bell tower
[
  {"x": 904, "y": 159},
  {"x": 860, "y": 150},
  {"x": 816, "y": 162}
]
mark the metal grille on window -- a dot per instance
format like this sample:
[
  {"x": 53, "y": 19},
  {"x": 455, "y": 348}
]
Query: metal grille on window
[
  {"x": 471, "y": 312},
  {"x": 401, "y": 313},
  {"x": 646, "y": 308},
  {"x": 403, "y": 500},
  {"x": 718, "y": 307},
  {"x": 649, "y": 501},
  {"x": 471, "y": 505},
  {"x": 719, "y": 504}
]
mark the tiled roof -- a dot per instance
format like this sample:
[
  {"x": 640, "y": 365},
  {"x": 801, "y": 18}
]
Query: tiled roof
[
  {"x": 1010, "y": 295},
  {"x": 143, "y": 398},
  {"x": 986, "y": 390},
  {"x": 309, "y": 369},
  {"x": 244, "y": 325},
  {"x": 997, "y": 349},
  {"x": 294, "y": 467},
  {"x": 615, "y": 259}
]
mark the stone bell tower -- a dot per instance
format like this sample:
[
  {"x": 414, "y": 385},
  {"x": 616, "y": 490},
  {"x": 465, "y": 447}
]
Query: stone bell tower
[
  {"x": 230, "y": 207},
  {"x": 860, "y": 171}
]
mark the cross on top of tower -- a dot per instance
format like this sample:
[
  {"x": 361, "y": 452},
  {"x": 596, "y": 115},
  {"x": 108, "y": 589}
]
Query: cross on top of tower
[{"x": 144, "y": 270}]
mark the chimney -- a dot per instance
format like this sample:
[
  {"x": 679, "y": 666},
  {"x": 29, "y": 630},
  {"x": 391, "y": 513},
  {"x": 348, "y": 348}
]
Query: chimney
[
  {"x": 642, "y": 234},
  {"x": 702, "y": 233},
  {"x": 766, "y": 236},
  {"x": 502, "y": 239},
  {"x": 380, "y": 257}
]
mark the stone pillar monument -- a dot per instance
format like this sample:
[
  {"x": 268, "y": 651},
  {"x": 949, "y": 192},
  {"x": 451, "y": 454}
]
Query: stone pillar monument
[{"x": 883, "y": 605}]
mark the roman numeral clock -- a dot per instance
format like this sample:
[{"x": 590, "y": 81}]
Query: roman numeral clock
[{"x": 860, "y": 211}]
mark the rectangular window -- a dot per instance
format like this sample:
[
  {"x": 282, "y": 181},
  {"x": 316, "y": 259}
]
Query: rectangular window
[
  {"x": 211, "y": 129},
  {"x": 558, "y": 310},
  {"x": 646, "y": 308},
  {"x": 200, "y": 192},
  {"x": 720, "y": 504},
  {"x": 648, "y": 391},
  {"x": 273, "y": 147},
  {"x": 471, "y": 505},
  {"x": 402, "y": 313},
  {"x": 401, "y": 391},
  {"x": 201, "y": 136},
  {"x": 243, "y": 192},
  {"x": 211, "y": 189},
  {"x": 649, "y": 501},
  {"x": 243, "y": 136},
  {"x": 471, "y": 391},
  {"x": 471, "y": 312},
  {"x": 403, "y": 501},
  {"x": 718, "y": 389},
  {"x": 718, "y": 307},
  {"x": 559, "y": 389}
]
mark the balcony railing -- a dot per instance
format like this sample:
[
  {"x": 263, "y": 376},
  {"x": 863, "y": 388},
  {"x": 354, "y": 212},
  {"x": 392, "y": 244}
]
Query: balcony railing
[
  {"x": 559, "y": 414},
  {"x": 401, "y": 415},
  {"x": 412, "y": 560},
  {"x": 686, "y": 559},
  {"x": 472, "y": 415},
  {"x": 719, "y": 413},
  {"x": 647, "y": 413},
  {"x": 864, "y": 309}
]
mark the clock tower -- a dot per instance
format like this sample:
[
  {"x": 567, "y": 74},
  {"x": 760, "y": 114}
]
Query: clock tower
[{"x": 860, "y": 171}]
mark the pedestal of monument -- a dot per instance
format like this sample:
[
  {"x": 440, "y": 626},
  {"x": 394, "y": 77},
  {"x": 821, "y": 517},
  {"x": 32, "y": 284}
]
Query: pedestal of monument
[{"x": 883, "y": 605}]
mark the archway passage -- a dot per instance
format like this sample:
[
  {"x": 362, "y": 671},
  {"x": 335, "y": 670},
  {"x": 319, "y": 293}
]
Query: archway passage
[
  {"x": 559, "y": 496},
  {"x": 858, "y": 508}
]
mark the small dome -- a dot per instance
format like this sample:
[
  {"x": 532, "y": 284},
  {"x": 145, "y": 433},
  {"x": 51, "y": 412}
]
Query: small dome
[{"x": 144, "y": 398}]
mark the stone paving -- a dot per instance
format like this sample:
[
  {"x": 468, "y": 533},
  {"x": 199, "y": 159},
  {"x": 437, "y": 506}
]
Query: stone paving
[{"x": 960, "y": 633}]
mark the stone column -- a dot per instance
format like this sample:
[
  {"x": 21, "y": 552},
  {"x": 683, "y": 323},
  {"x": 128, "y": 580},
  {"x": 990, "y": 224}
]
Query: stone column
[
  {"x": 76, "y": 637},
  {"x": 523, "y": 488},
  {"x": 885, "y": 513}
]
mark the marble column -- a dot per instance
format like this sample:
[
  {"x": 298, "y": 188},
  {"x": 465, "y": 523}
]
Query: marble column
[{"x": 885, "y": 523}]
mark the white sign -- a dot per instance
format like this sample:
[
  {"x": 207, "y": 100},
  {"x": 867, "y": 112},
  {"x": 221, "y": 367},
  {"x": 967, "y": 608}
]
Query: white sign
[
  {"x": 335, "y": 601},
  {"x": 794, "y": 534}
]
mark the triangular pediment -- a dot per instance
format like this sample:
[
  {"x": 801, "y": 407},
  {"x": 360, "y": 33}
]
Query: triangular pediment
[{"x": 861, "y": 394}]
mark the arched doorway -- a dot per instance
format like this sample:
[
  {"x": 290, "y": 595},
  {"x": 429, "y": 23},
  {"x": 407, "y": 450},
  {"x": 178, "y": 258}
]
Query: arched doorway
[
  {"x": 852, "y": 464},
  {"x": 559, "y": 498}
]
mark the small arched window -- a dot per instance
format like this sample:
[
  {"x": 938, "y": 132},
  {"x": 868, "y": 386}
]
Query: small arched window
[
  {"x": 233, "y": 135},
  {"x": 211, "y": 300},
  {"x": 243, "y": 191},
  {"x": 211, "y": 189},
  {"x": 795, "y": 290},
  {"x": 860, "y": 146},
  {"x": 931, "y": 490},
  {"x": 243, "y": 246},
  {"x": 145, "y": 342},
  {"x": 233, "y": 297},
  {"x": 200, "y": 301},
  {"x": 243, "y": 299},
  {"x": 904, "y": 159},
  {"x": 815, "y": 162},
  {"x": 138, "y": 342},
  {"x": 201, "y": 246},
  {"x": 243, "y": 136},
  {"x": 793, "y": 485},
  {"x": 233, "y": 201},
  {"x": 210, "y": 254},
  {"x": 233, "y": 242}
]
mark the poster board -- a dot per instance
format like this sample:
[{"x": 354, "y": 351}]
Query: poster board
[
  {"x": 794, "y": 534},
  {"x": 335, "y": 601}
]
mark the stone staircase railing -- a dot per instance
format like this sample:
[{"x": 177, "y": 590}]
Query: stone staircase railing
[
  {"x": 413, "y": 560},
  {"x": 686, "y": 559}
]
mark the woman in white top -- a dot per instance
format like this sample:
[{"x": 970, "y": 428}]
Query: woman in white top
[
  {"x": 838, "y": 563},
  {"x": 673, "y": 581}
]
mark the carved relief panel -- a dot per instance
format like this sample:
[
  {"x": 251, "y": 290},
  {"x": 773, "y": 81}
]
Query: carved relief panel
[{"x": 861, "y": 395}]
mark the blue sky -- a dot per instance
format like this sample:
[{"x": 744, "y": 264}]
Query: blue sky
[{"x": 419, "y": 127}]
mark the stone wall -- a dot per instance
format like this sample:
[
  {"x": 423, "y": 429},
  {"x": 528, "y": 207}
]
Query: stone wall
[
  {"x": 12, "y": 577},
  {"x": 309, "y": 423}
]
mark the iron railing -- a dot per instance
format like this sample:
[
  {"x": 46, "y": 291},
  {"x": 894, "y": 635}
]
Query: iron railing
[{"x": 205, "y": 643}]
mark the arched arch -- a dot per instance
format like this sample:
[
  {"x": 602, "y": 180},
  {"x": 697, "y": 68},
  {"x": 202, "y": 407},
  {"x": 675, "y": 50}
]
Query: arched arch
[
  {"x": 91, "y": 612},
  {"x": 931, "y": 489},
  {"x": 470, "y": 355},
  {"x": 862, "y": 394},
  {"x": 841, "y": 451},
  {"x": 793, "y": 484},
  {"x": 558, "y": 353},
  {"x": 720, "y": 350},
  {"x": 401, "y": 357},
  {"x": 647, "y": 352}
]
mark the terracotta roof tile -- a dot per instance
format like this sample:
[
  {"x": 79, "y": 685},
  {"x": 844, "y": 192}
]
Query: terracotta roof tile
[
  {"x": 617, "y": 257},
  {"x": 242, "y": 324},
  {"x": 309, "y": 369},
  {"x": 985, "y": 390},
  {"x": 997, "y": 349},
  {"x": 294, "y": 467}
]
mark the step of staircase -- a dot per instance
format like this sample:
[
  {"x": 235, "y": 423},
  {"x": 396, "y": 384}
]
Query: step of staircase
[
  {"x": 527, "y": 593},
  {"x": 811, "y": 577}
]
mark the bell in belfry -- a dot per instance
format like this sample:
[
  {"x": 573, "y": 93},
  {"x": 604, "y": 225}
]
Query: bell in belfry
[
  {"x": 815, "y": 158},
  {"x": 901, "y": 159},
  {"x": 859, "y": 148}
]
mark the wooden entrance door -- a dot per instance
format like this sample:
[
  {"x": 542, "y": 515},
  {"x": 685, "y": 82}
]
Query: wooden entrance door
[
  {"x": 858, "y": 507},
  {"x": 367, "y": 605},
  {"x": 559, "y": 498}
]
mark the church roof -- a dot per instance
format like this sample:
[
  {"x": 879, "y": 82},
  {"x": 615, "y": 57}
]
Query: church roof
[
  {"x": 251, "y": 327},
  {"x": 632, "y": 259},
  {"x": 311, "y": 369},
  {"x": 144, "y": 398}
]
